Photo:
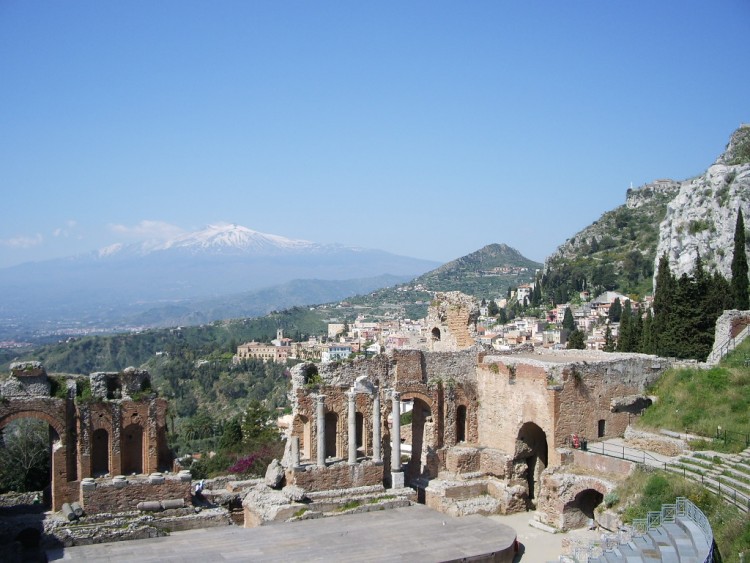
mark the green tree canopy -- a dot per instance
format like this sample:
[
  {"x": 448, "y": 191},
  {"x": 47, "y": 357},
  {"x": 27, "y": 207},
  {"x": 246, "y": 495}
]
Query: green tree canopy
[
  {"x": 576, "y": 340},
  {"x": 739, "y": 267},
  {"x": 569, "y": 322}
]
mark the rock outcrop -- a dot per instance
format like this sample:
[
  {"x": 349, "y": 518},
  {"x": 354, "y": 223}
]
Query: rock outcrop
[{"x": 702, "y": 216}]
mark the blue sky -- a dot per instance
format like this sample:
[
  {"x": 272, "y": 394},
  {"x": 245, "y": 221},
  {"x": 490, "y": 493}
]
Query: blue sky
[{"x": 428, "y": 129}]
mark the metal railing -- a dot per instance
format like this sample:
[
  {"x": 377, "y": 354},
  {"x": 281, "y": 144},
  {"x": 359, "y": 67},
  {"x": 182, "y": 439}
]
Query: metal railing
[
  {"x": 724, "y": 490},
  {"x": 627, "y": 453},
  {"x": 682, "y": 508},
  {"x": 720, "y": 351}
]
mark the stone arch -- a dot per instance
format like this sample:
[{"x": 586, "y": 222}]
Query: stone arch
[
  {"x": 132, "y": 448},
  {"x": 531, "y": 451},
  {"x": 56, "y": 424},
  {"x": 332, "y": 434},
  {"x": 423, "y": 463},
  {"x": 61, "y": 467},
  {"x": 436, "y": 335},
  {"x": 581, "y": 504}
]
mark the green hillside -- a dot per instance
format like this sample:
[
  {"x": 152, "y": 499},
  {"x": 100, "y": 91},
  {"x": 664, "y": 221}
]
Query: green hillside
[
  {"x": 616, "y": 252},
  {"x": 484, "y": 274},
  {"x": 703, "y": 400}
]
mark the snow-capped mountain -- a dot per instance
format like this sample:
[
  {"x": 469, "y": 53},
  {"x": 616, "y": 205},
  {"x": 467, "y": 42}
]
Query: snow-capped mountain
[
  {"x": 221, "y": 238},
  {"x": 216, "y": 261}
]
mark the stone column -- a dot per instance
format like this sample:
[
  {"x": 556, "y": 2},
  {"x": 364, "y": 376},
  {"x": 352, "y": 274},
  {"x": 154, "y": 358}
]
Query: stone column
[
  {"x": 397, "y": 476},
  {"x": 351, "y": 395},
  {"x": 321, "y": 426},
  {"x": 376, "y": 453},
  {"x": 295, "y": 451}
]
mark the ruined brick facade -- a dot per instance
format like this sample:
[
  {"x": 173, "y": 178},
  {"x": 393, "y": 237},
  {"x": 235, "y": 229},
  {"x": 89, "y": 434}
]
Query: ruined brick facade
[
  {"x": 117, "y": 428},
  {"x": 488, "y": 423}
]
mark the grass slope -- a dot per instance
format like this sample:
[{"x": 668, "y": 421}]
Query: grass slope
[{"x": 703, "y": 400}]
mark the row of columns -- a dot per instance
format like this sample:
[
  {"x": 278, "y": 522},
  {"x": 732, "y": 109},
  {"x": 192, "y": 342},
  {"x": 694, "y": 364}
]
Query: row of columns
[{"x": 352, "y": 420}]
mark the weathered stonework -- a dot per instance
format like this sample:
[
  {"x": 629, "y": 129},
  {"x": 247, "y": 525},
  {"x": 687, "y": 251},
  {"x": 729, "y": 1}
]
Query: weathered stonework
[
  {"x": 485, "y": 429},
  {"x": 730, "y": 325},
  {"x": 568, "y": 501},
  {"x": 124, "y": 494},
  {"x": 451, "y": 320},
  {"x": 337, "y": 476},
  {"x": 90, "y": 436}
]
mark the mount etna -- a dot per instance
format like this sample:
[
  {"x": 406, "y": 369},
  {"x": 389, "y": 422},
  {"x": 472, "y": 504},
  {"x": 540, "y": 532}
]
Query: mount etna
[{"x": 159, "y": 283}]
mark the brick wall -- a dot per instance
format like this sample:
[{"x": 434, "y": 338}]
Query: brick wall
[
  {"x": 336, "y": 476},
  {"x": 116, "y": 495}
]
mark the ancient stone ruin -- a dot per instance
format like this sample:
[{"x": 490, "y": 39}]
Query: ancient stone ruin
[
  {"x": 107, "y": 434},
  {"x": 484, "y": 427}
]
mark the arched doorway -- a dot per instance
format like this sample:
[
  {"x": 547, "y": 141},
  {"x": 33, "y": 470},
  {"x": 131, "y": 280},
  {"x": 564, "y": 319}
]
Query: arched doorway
[
  {"x": 578, "y": 512},
  {"x": 436, "y": 334},
  {"x": 132, "y": 449},
  {"x": 100, "y": 452},
  {"x": 422, "y": 463},
  {"x": 32, "y": 454},
  {"x": 332, "y": 431},
  {"x": 531, "y": 447},
  {"x": 461, "y": 424}
]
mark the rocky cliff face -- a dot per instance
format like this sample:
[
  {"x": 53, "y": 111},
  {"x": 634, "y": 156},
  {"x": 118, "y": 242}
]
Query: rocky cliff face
[{"x": 702, "y": 216}]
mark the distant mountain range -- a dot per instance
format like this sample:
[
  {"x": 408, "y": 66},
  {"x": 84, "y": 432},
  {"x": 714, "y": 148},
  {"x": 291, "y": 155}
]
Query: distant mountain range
[{"x": 123, "y": 284}]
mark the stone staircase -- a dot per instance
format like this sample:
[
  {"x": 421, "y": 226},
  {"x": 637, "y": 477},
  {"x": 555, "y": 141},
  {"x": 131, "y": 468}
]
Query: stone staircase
[
  {"x": 679, "y": 533},
  {"x": 727, "y": 475}
]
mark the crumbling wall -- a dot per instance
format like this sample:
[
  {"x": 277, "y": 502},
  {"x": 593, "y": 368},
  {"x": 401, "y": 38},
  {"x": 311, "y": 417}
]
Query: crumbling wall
[
  {"x": 121, "y": 493},
  {"x": 27, "y": 379},
  {"x": 558, "y": 505},
  {"x": 337, "y": 476},
  {"x": 451, "y": 322}
]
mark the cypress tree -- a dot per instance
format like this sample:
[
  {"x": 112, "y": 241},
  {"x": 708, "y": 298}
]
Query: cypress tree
[
  {"x": 636, "y": 330},
  {"x": 646, "y": 342},
  {"x": 664, "y": 303},
  {"x": 609, "y": 342},
  {"x": 625, "y": 338},
  {"x": 739, "y": 267},
  {"x": 569, "y": 322},
  {"x": 576, "y": 340},
  {"x": 615, "y": 311}
]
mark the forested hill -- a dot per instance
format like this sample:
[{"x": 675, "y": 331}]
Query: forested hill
[
  {"x": 680, "y": 219},
  {"x": 616, "y": 252},
  {"x": 484, "y": 274},
  {"x": 488, "y": 272},
  {"x": 113, "y": 353}
]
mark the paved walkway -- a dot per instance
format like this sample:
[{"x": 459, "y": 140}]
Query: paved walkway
[{"x": 415, "y": 533}]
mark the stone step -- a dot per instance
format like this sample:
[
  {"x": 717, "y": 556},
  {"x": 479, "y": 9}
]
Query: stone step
[{"x": 697, "y": 537}]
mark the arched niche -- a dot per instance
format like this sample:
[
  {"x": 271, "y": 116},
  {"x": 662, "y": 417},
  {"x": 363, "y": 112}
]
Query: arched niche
[
  {"x": 131, "y": 444},
  {"x": 532, "y": 448},
  {"x": 100, "y": 450}
]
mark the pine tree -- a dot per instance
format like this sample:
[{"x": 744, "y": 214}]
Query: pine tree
[{"x": 739, "y": 267}]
